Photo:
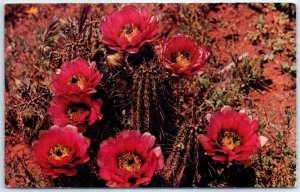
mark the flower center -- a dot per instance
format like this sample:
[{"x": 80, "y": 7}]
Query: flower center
[
  {"x": 58, "y": 152},
  {"x": 78, "y": 80},
  {"x": 230, "y": 139},
  {"x": 129, "y": 31},
  {"x": 74, "y": 110},
  {"x": 130, "y": 161},
  {"x": 182, "y": 58}
]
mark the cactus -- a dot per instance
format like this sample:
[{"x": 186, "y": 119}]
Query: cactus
[{"x": 137, "y": 94}]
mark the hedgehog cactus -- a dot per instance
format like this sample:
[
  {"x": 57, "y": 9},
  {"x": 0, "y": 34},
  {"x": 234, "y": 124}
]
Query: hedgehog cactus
[
  {"x": 183, "y": 160},
  {"x": 150, "y": 89},
  {"x": 136, "y": 86}
]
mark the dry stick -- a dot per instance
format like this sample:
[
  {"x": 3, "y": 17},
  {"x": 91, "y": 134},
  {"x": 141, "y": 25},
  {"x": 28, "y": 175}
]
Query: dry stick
[
  {"x": 26, "y": 170},
  {"x": 83, "y": 17},
  {"x": 233, "y": 64},
  {"x": 91, "y": 23}
]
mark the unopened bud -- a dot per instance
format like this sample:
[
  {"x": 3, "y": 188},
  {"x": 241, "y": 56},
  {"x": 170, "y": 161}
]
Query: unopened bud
[{"x": 114, "y": 59}]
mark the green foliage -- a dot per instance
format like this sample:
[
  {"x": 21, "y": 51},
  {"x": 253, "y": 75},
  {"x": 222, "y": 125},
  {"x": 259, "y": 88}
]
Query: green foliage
[
  {"x": 205, "y": 83},
  {"x": 250, "y": 74}
]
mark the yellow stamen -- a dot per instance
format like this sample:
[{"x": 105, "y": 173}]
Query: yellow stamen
[
  {"x": 183, "y": 59},
  {"x": 73, "y": 110},
  {"x": 58, "y": 152},
  {"x": 129, "y": 31},
  {"x": 78, "y": 80},
  {"x": 80, "y": 85},
  {"x": 231, "y": 140},
  {"x": 130, "y": 161}
]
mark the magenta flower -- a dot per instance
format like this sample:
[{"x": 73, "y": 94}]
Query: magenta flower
[
  {"x": 76, "y": 77},
  {"x": 231, "y": 136},
  {"x": 77, "y": 111},
  {"x": 129, "y": 160},
  {"x": 182, "y": 55},
  {"x": 128, "y": 29},
  {"x": 60, "y": 149}
]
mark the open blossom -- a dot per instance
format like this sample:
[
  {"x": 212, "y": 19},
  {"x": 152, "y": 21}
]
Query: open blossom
[
  {"x": 182, "y": 55},
  {"x": 60, "y": 149},
  {"x": 75, "y": 111},
  {"x": 129, "y": 160},
  {"x": 231, "y": 136},
  {"x": 128, "y": 29},
  {"x": 76, "y": 77}
]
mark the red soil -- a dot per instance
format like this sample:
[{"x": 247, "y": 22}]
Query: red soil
[{"x": 279, "y": 96}]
